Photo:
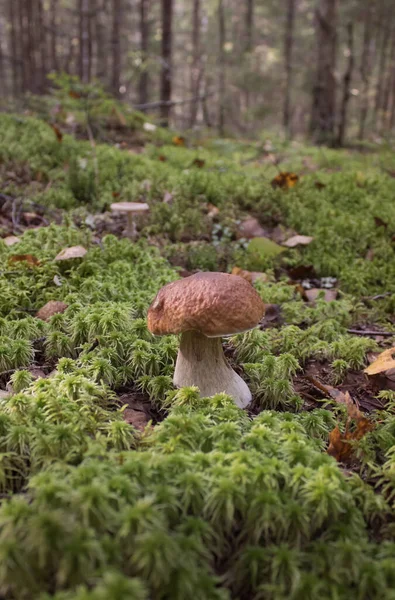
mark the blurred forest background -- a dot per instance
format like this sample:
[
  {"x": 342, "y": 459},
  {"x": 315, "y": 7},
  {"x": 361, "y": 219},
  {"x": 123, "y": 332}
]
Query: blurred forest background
[{"x": 318, "y": 68}]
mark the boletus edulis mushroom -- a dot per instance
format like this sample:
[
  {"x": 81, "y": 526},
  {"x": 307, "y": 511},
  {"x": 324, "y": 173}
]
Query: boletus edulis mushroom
[{"x": 203, "y": 308}]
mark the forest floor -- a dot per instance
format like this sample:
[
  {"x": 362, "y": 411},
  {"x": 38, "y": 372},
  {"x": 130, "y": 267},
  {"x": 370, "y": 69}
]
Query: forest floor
[{"x": 115, "y": 484}]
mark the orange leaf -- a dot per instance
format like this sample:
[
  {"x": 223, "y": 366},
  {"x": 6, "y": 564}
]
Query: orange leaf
[
  {"x": 382, "y": 363},
  {"x": 285, "y": 180},
  {"x": 73, "y": 94},
  {"x": 162, "y": 158},
  {"x": 29, "y": 258},
  {"x": 178, "y": 140}
]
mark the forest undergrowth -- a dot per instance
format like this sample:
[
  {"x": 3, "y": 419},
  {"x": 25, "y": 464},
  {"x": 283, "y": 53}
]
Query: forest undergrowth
[{"x": 115, "y": 485}]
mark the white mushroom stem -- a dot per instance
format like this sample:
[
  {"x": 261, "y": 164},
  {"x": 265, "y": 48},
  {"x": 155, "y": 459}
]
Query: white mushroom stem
[
  {"x": 201, "y": 362},
  {"x": 131, "y": 230}
]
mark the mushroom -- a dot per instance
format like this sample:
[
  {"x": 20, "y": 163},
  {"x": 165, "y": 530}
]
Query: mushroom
[
  {"x": 203, "y": 308},
  {"x": 130, "y": 208}
]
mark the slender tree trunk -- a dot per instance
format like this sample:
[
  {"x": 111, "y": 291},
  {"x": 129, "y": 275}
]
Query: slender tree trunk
[
  {"x": 382, "y": 66},
  {"x": 166, "y": 75},
  {"x": 101, "y": 49},
  {"x": 41, "y": 37},
  {"x": 144, "y": 47},
  {"x": 53, "y": 37},
  {"x": 196, "y": 62},
  {"x": 365, "y": 70},
  {"x": 22, "y": 43},
  {"x": 221, "y": 67},
  {"x": 346, "y": 86},
  {"x": 324, "y": 93},
  {"x": 249, "y": 26},
  {"x": 288, "y": 47},
  {"x": 388, "y": 85},
  {"x": 84, "y": 42},
  {"x": 116, "y": 47},
  {"x": 3, "y": 78},
  {"x": 16, "y": 66}
]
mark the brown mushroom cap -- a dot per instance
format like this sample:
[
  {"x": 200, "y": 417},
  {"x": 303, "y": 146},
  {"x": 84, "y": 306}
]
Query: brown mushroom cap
[
  {"x": 215, "y": 304},
  {"x": 130, "y": 207}
]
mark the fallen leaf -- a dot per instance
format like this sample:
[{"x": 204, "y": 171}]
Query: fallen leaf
[
  {"x": 56, "y": 130},
  {"x": 10, "y": 240},
  {"x": 198, "y": 162},
  {"x": 29, "y": 258},
  {"x": 168, "y": 198},
  {"x": 312, "y": 294},
  {"x": 30, "y": 217},
  {"x": 251, "y": 228},
  {"x": 178, "y": 140},
  {"x": 285, "y": 180},
  {"x": 339, "y": 444},
  {"x": 53, "y": 307},
  {"x": 264, "y": 248},
  {"x": 250, "y": 276},
  {"x": 242, "y": 273},
  {"x": 70, "y": 253},
  {"x": 383, "y": 363},
  {"x": 213, "y": 210},
  {"x": 116, "y": 194},
  {"x": 162, "y": 158},
  {"x": 298, "y": 240}
]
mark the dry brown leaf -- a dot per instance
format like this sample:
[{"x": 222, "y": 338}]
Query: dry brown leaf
[
  {"x": 53, "y": 307},
  {"x": 199, "y": 163},
  {"x": 312, "y": 294},
  {"x": 339, "y": 444},
  {"x": 56, "y": 130},
  {"x": 10, "y": 240},
  {"x": 285, "y": 180},
  {"x": 162, "y": 158},
  {"x": 298, "y": 240},
  {"x": 384, "y": 362},
  {"x": 242, "y": 273},
  {"x": 70, "y": 253},
  {"x": 29, "y": 258},
  {"x": 251, "y": 228}
]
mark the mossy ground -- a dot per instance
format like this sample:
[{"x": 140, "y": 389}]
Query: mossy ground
[{"x": 210, "y": 502}]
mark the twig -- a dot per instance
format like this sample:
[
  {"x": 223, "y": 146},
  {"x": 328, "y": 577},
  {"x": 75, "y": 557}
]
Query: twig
[
  {"x": 379, "y": 296},
  {"x": 368, "y": 332},
  {"x": 171, "y": 102}
]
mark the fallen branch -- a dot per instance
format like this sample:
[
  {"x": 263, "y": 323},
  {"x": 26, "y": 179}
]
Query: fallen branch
[
  {"x": 170, "y": 102},
  {"x": 368, "y": 332}
]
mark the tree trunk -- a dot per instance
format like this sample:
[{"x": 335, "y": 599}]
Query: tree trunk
[
  {"x": 346, "y": 86},
  {"x": 53, "y": 37},
  {"x": 22, "y": 43},
  {"x": 323, "y": 114},
  {"x": 116, "y": 47},
  {"x": 84, "y": 42},
  {"x": 382, "y": 66},
  {"x": 365, "y": 70},
  {"x": 101, "y": 38},
  {"x": 166, "y": 74},
  {"x": 196, "y": 62},
  {"x": 144, "y": 46},
  {"x": 16, "y": 65},
  {"x": 288, "y": 46},
  {"x": 3, "y": 78},
  {"x": 221, "y": 67},
  {"x": 388, "y": 85},
  {"x": 249, "y": 26},
  {"x": 41, "y": 37}
]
